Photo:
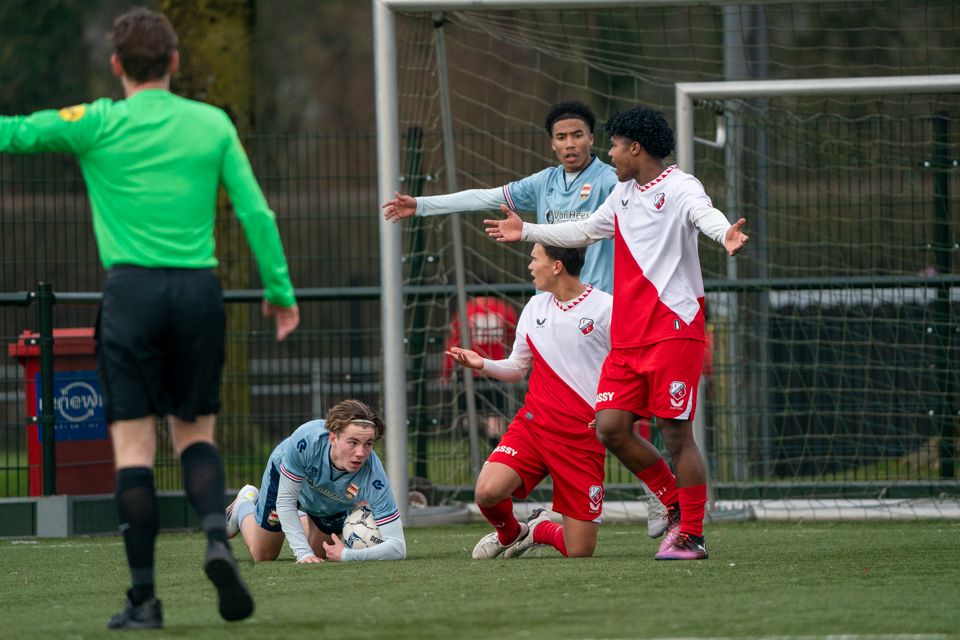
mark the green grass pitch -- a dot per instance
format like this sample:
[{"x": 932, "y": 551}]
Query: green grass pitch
[{"x": 762, "y": 579}]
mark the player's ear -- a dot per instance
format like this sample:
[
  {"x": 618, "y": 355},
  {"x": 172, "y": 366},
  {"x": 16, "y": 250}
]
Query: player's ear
[
  {"x": 174, "y": 62},
  {"x": 591, "y": 139},
  {"x": 115, "y": 65}
]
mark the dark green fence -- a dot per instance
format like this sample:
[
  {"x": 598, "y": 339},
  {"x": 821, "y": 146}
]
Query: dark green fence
[{"x": 844, "y": 369}]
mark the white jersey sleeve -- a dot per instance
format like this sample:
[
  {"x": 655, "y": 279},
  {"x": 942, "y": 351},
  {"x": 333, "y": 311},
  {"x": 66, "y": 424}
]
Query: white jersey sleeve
[
  {"x": 711, "y": 222},
  {"x": 287, "y": 493},
  {"x": 470, "y": 200},
  {"x": 567, "y": 234},
  {"x": 690, "y": 198},
  {"x": 513, "y": 369},
  {"x": 393, "y": 547},
  {"x": 603, "y": 222}
]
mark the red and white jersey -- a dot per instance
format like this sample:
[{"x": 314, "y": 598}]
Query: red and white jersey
[
  {"x": 568, "y": 343},
  {"x": 657, "y": 284}
]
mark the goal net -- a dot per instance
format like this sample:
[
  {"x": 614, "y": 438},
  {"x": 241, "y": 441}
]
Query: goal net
[{"x": 832, "y": 384}]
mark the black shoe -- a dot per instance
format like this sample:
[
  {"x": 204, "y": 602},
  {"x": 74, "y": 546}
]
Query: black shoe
[
  {"x": 236, "y": 603},
  {"x": 146, "y": 615}
]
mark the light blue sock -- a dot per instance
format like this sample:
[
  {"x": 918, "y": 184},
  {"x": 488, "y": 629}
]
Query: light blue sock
[{"x": 245, "y": 508}]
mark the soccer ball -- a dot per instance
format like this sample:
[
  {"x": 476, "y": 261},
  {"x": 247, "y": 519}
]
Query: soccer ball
[{"x": 360, "y": 529}]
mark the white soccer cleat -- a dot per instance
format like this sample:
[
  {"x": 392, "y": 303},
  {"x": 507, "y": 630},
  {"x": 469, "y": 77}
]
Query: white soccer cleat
[
  {"x": 525, "y": 544},
  {"x": 249, "y": 492},
  {"x": 657, "y": 520},
  {"x": 489, "y": 546}
]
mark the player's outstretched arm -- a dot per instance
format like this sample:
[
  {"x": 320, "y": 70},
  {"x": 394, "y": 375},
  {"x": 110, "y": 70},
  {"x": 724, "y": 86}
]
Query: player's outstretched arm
[
  {"x": 400, "y": 207},
  {"x": 735, "y": 239},
  {"x": 286, "y": 318},
  {"x": 508, "y": 230}
]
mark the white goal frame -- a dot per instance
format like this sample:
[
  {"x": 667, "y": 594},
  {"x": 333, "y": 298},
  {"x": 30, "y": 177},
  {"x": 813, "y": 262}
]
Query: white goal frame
[{"x": 394, "y": 387}]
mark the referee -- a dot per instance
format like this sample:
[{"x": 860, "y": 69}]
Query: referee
[{"x": 153, "y": 164}]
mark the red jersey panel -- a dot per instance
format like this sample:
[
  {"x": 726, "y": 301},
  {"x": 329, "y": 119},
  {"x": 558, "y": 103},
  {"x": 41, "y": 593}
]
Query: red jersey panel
[
  {"x": 657, "y": 284},
  {"x": 568, "y": 344}
]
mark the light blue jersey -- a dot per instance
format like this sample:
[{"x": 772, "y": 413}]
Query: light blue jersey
[
  {"x": 549, "y": 194},
  {"x": 305, "y": 457}
]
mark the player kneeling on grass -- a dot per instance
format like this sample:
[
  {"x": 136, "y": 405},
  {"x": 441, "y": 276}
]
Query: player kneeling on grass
[
  {"x": 565, "y": 337},
  {"x": 329, "y": 467}
]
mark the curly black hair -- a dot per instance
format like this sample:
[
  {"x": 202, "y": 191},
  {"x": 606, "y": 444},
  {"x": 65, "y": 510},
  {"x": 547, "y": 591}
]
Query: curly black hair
[
  {"x": 570, "y": 109},
  {"x": 647, "y": 126}
]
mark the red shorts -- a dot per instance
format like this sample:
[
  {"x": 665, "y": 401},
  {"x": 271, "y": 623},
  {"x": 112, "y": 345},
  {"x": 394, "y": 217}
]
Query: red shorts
[
  {"x": 659, "y": 379},
  {"x": 577, "y": 473}
]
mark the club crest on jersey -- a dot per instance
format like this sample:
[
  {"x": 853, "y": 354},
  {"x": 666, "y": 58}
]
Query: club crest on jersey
[
  {"x": 273, "y": 519},
  {"x": 585, "y": 191},
  {"x": 585, "y": 326},
  {"x": 352, "y": 491},
  {"x": 658, "y": 200}
]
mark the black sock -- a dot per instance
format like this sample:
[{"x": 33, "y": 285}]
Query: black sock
[
  {"x": 204, "y": 483},
  {"x": 139, "y": 522}
]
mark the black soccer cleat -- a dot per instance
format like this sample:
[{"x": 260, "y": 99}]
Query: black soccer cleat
[
  {"x": 236, "y": 602},
  {"x": 146, "y": 615}
]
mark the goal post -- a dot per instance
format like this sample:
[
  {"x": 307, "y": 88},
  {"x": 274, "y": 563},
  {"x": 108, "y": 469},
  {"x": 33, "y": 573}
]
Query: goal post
[
  {"x": 688, "y": 92},
  {"x": 831, "y": 365}
]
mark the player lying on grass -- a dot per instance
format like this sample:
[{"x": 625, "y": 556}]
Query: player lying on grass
[
  {"x": 328, "y": 467},
  {"x": 564, "y": 336},
  {"x": 571, "y": 191},
  {"x": 657, "y": 331}
]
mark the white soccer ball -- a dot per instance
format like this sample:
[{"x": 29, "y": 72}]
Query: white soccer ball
[{"x": 360, "y": 529}]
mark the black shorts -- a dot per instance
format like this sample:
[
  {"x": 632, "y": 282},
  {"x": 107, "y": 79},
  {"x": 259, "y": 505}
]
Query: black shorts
[{"x": 160, "y": 342}]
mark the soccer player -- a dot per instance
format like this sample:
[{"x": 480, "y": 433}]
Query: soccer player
[
  {"x": 565, "y": 337},
  {"x": 329, "y": 467},
  {"x": 571, "y": 191},
  {"x": 657, "y": 332},
  {"x": 153, "y": 163}
]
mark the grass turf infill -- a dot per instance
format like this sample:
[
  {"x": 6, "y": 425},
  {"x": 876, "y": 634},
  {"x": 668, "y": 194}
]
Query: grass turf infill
[{"x": 785, "y": 580}]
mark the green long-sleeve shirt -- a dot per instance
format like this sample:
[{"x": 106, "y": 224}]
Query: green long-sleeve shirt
[{"x": 153, "y": 163}]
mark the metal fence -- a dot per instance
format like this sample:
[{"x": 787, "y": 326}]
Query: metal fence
[{"x": 846, "y": 379}]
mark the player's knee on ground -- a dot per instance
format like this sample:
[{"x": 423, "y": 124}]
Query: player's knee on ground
[
  {"x": 580, "y": 548},
  {"x": 263, "y": 555}
]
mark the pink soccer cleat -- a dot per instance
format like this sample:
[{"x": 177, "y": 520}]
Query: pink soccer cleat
[
  {"x": 685, "y": 547},
  {"x": 672, "y": 516}
]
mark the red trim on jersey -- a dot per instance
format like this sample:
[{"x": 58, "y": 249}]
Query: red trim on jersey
[
  {"x": 289, "y": 475},
  {"x": 656, "y": 180},
  {"x": 390, "y": 518},
  {"x": 506, "y": 194},
  {"x": 559, "y": 412},
  {"x": 566, "y": 306},
  {"x": 639, "y": 317}
]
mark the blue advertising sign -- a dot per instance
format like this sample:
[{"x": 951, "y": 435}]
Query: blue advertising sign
[{"x": 78, "y": 406}]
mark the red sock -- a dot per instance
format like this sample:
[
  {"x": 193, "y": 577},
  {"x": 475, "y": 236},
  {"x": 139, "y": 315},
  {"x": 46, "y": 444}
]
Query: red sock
[
  {"x": 661, "y": 481},
  {"x": 501, "y": 517},
  {"x": 551, "y": 534},
  {"x": 692, "y": 501}
]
